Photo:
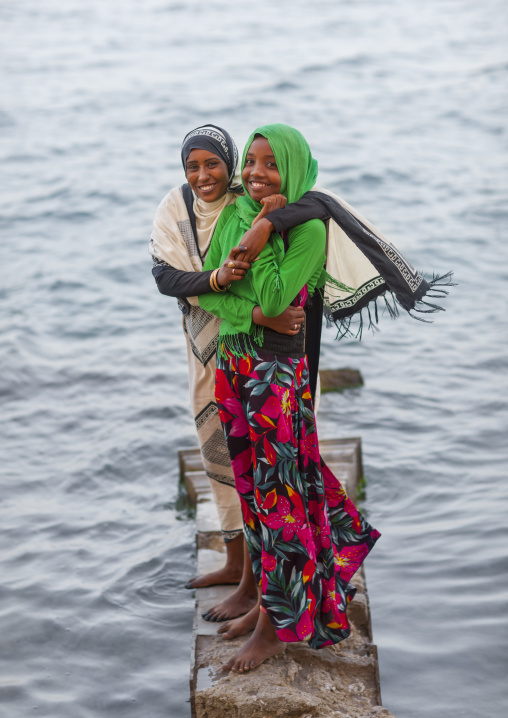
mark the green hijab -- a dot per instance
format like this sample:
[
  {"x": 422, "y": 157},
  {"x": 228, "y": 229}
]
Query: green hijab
[{"x": 297, "y": 168}]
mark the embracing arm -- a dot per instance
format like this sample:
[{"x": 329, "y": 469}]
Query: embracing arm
[
  {"x": 239, "y": 311},
  {"x": 277, "y": 286},
  {"x": 275, "y": 217},
  {"x": 313, "y": 205},
  {"x": 177, "y": 283},
  {"x": 224, "y": 304},
  {"x": 180, "y": 283},
  {"x": 242, "y": 313}
]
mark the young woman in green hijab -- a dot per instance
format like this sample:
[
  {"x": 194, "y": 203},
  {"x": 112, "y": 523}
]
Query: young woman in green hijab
[{"x": 305, "y": 537}]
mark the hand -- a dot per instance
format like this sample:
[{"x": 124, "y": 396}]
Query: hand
[
  {"x": 255, "y": 238},
  {"x": 227, "y": 274},
  {"x": 285, "y": 323},
  {"x": 270, "y": 204}
]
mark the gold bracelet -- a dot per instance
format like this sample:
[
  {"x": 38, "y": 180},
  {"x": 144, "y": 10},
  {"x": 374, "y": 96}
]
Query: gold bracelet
[
  {"x": 214, "y": 283},
  {"x": 212, "y": 280}
]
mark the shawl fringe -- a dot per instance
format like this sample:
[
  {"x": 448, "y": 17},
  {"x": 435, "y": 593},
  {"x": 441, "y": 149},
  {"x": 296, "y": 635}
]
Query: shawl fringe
[
  {"x": 240, "y": 347},
  {"x": 436, "y": 291},
  {"x": 352, "y": 326}
]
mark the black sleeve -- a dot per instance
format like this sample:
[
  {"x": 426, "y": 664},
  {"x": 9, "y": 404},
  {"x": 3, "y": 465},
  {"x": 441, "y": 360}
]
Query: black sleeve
[
  {"x": 313, "y": 326},
  {"x": 177, "y": 283},
  {"x": 313, "y": 205}
]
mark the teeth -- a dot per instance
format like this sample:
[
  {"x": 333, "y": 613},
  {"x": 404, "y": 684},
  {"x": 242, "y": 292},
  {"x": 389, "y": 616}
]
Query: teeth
[
  {"x": 206, "y": 187},
  {"x": 258, "y": 184}
]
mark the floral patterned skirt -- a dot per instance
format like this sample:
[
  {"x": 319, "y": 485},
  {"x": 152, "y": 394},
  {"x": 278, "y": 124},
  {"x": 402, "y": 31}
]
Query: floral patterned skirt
[{"x": 306, "y": 538}]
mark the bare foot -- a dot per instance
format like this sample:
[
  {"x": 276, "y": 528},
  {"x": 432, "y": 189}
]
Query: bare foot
[
  {"x": 225, "y": 575},
  {"x": 240, "y": 602},
  {"x": 261, "y": 645},
  {"x": 231, "y": 572},
  {"x": 241, "y": 625}
]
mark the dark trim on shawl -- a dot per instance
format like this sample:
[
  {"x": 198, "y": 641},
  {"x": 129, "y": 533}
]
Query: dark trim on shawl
[{"x": 188, "y": 198}]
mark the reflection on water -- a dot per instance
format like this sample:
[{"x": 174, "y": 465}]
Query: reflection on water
[{"x": 403, "y": 111}]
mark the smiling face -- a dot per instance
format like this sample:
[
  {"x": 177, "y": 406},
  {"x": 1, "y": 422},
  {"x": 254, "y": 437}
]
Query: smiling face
[
  {"x": 260, "y": 174},
  {"x": 207, "y": 175}
]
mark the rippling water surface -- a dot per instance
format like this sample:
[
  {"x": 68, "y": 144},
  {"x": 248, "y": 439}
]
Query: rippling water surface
[{"x": 404, "y": 105}]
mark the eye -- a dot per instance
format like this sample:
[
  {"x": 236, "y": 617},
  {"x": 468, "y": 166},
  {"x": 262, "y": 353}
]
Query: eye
[
  {"x": 248, "y": 162},
  {"x": 192, "y": 168},
  {"x": 213, "y": 164}
]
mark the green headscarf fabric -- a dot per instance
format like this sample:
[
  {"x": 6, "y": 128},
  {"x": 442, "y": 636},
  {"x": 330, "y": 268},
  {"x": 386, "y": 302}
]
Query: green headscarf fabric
[{"x": 298, "y": 169}]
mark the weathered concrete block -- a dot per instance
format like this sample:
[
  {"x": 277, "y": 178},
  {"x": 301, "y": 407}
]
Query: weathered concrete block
[{"x": 339, "y": 379}]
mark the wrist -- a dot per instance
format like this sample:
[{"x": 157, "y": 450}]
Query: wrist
[
  {"x": 214, "y": 282},
  {"x": 266, "y": 225},
  {"x": 218, "y": 279}
]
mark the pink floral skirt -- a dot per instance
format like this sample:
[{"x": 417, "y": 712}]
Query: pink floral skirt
[{"x": 306, "y": 538}]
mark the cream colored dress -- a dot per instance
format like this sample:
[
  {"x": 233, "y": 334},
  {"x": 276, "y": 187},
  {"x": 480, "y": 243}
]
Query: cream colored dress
[{"x": 172, "y": 242}]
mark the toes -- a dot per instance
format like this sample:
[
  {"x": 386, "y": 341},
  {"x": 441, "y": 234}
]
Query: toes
[
  {"x": 222, "y": 616},
  {"x": 214, "y": 616},
  {"x": 237, "y": 665}
]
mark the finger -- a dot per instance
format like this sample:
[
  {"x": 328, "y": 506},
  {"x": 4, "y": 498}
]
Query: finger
[
  {"x": 238, "y": 264},
  {"x": 268, "y": 204},
  {"x": 260, "y": 215},
  {"x": 235, "y": 251},
  {"x": 277, "y": 201}
]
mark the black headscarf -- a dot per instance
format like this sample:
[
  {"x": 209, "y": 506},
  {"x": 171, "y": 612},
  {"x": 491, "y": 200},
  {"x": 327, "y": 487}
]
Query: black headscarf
[{"x": 216, "y": 140}]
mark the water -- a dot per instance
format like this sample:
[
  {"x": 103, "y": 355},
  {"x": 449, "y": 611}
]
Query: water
[{"x": 404, "y": 106}]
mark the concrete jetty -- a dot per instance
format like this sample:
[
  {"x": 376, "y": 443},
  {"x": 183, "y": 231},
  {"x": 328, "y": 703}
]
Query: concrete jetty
[{"x": 335, "y": 682}]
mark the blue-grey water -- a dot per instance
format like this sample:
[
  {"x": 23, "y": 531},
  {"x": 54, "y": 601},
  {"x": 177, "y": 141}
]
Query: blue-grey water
[{"x": 405, "y": 107}]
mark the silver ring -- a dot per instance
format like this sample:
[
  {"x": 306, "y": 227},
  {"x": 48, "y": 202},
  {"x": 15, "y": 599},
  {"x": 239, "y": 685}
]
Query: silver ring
[
  {"x": 296, "y": 326},
  {"x": 233, "y": 271}
]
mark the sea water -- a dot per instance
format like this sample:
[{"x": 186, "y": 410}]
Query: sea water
[{"x": 404, "y": 106}]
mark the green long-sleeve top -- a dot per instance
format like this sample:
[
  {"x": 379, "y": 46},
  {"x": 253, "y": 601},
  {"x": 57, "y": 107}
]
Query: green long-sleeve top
[{"x": 274, "y": 279}]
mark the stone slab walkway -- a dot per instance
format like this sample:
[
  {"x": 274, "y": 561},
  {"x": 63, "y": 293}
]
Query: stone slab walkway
[{"x": 338, "y": 681}]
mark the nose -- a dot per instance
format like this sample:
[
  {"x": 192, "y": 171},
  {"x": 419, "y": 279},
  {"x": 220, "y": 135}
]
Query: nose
[
  {"x": 257, "y": 169},
  {"x": 203, "y": 173}
]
